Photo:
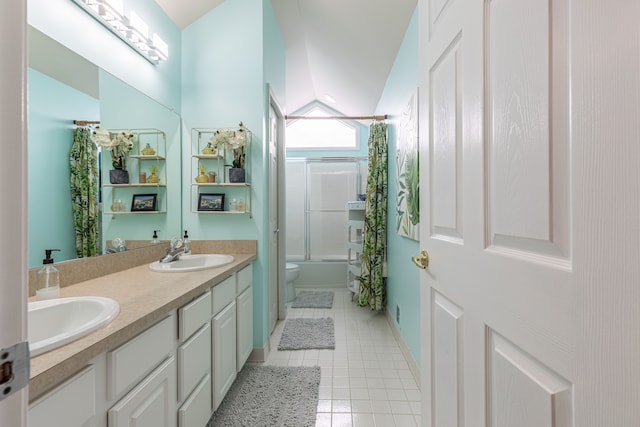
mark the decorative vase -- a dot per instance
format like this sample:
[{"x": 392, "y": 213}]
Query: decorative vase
[
  {"x": 236, "y": 175},
  {"x": 148, "y": 151},
  {"x": 202, "y": 178},
  {"x": 209, "y": 150},
  {"x": 118, "y": 176},
  {"x": 153, "y": 178}
]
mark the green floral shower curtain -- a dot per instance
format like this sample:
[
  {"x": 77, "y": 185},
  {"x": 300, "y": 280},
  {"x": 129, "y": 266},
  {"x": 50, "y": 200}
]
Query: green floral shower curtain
[
  {"x": 372, "y": 283},
  {"x": 83, "y": 160}
]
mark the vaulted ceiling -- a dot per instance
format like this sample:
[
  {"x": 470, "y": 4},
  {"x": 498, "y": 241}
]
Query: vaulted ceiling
[{"x": 341, "y": 48}]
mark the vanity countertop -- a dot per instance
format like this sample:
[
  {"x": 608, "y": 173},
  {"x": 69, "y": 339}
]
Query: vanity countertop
[{"x": 144, "y": 296}]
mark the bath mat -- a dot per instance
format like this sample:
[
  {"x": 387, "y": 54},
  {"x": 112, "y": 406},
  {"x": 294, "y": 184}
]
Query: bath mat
[
  {"x": 313, "y": 299},
  {"x": 267, "y": 396},
  {"x": 305, "y": 333}
]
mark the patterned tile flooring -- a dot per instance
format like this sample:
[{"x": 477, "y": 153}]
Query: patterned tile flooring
[{"x": 366, "y": 380}]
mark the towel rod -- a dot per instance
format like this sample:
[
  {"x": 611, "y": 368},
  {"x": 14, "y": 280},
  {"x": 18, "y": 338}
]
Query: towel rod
[
  {"x": 86, "y": 122},
  {"x": 384, "y": 117}
]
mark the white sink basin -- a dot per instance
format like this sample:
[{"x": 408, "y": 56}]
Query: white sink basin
[
  {"x": 193, "y": 262},
  {"x": 56, "y": 322}
]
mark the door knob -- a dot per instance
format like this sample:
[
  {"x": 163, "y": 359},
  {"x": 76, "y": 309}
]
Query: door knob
[{"x": 422, "y": 260}]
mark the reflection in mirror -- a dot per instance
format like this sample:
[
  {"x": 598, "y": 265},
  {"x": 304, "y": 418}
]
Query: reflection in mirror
[{"x": 64, "y": 87}]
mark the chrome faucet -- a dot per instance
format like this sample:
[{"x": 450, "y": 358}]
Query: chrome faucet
[{"x": 175, "y": 250}]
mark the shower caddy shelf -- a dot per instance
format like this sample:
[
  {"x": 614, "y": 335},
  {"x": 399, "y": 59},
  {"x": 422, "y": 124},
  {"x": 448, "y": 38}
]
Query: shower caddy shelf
[
  {"x": 355, "y": 226},
  {"x": 217, "y": 163},
  {"x": 138, "y": 162}
]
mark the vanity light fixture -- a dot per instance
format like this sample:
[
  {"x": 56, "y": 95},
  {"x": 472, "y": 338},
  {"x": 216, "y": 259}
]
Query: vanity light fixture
[
  {"x": 159, "y": 48},
  {"x": 138, "y": 32},
  {"x": 111, "y": 10},
  {"x": 132, "y": 30}
]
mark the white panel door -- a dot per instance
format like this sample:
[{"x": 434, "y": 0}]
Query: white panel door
[
  {"x": 273, "y": 219},
  {"x": 530, "y": 201},
  {"x": 496, "y": 214},
  {"x": 13, "y": 220}
]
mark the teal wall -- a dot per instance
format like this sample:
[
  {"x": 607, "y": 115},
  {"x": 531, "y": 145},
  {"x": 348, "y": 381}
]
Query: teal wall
[
  {"x": 403, "y": 277},
  {"x": 52, "y": 108},
  {"x": 67, "y": 23},
  {"x": 223, "y": 82},
  {"x": 274, "y": 58}
]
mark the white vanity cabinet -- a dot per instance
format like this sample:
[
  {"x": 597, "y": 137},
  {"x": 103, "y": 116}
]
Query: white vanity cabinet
[{"x": 173, "y": 374}]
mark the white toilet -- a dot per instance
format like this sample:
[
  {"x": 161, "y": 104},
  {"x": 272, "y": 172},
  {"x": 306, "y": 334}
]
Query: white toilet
[{"x": 293, "y": 271}]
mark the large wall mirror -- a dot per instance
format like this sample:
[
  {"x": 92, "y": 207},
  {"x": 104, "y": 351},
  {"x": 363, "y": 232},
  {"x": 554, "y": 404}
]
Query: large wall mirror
[{"x": 63, "y": 87}]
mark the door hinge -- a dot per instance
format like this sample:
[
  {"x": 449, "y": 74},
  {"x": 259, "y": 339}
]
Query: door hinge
[{"x": 14, "y": 369}]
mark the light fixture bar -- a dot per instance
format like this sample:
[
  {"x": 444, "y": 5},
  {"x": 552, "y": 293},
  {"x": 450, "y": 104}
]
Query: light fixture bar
[
  {"x": 111, "y": 10},
  {"x": 159, "y": 47},
  {"x": 133, "y": 31}
]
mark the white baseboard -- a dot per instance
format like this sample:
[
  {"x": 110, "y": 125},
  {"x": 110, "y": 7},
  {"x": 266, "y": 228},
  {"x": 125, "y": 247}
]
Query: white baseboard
[
  {"x": 259, "y": 354},
  {"x": 413, "y": 366}
]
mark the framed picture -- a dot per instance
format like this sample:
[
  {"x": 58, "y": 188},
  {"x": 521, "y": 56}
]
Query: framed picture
[
  {"x": 143, "y": 202},
  {"x": 408, "y": 172},
  {"x": 211, "y": 202}
]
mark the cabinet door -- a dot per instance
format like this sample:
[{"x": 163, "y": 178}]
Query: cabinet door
[
  {"x": 194, "y": 361},
  {"x": 77, "y": 393},
  {"x": 224, "y": 352},
  {"x": 245, "y": 327},
  {"x": 196, "y": 410},
  {"x": 152, "y": 403}
]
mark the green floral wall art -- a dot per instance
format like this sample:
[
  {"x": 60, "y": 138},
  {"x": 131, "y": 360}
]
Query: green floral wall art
[{"x": 408, "y": 172}]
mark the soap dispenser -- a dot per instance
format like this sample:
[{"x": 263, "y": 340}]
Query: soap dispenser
[
  {"x": 48, "y": 278},
  {"x": 155, "y": 239},
  {"x": 187, "y": 243}
]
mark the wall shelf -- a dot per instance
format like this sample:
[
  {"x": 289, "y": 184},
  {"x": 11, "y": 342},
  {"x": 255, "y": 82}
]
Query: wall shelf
[
  {"x": 137, "y": 164},
  {"x": 355, "y": 226},
  {"x": 219, "y": 163}
]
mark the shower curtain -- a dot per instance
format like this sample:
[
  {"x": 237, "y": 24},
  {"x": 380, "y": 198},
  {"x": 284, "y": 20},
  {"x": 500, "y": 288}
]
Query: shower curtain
[
  {"x": 84, "y": 193},
  {"x": 372, "y": 283}
]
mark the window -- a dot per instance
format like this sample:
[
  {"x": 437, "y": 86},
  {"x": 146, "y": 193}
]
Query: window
[{"x": 328, "y": 134}]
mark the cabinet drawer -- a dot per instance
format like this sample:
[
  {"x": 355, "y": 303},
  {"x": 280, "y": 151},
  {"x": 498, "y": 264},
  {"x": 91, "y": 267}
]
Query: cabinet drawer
[
  {"x": 223, "y": 293},
  {"x": 152, "y": 403},
  {"x": 196, "y": 411},
  {"x": 194, "y": 361},
  {"x": 245, "y": 278},
  {"x": 77, "y": 394},
  {"x": 129, "y": 363},
  {"x": 193, "y": 315}
]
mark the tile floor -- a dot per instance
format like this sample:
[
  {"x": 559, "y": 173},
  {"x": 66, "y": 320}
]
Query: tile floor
[{"x": 366, "y": 380}]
